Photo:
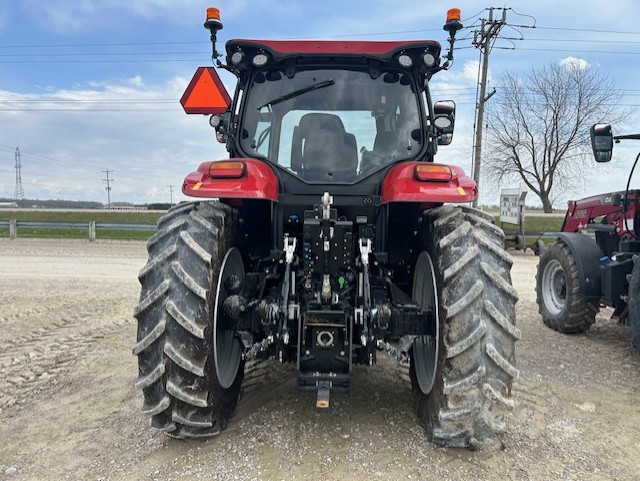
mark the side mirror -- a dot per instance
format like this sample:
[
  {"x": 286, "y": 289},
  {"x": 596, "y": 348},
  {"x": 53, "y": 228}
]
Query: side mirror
[
  {"x": 601, "y": 142},
  {"x": 444, "y": 116}
]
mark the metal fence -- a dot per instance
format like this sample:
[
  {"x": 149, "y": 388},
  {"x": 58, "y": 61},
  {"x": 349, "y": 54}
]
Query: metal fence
[{"x": 91, "y": 226}]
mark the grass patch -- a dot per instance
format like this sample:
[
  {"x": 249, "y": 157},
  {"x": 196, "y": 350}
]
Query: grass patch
[
  {"x": 80, "y": 216},
  {"x": 115, "y": 217},
  {"x": 535, "y": 224},
  {"x": 543, "y": 224}
]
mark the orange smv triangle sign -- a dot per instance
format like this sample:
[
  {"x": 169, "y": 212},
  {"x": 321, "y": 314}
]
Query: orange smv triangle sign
[{"x": 205, "y": 93}]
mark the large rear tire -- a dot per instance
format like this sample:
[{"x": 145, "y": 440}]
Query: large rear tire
[
  {"x": 634, "y": 303},
  {"x": 464, "y": 402},
  {"x": 190, "y": 368},
  {"x": 560, "y": 302}
]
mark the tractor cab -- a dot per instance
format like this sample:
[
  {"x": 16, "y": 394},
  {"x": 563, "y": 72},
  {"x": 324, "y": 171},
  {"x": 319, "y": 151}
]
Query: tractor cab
[
  {"x": 326, "y": 113},
  {"x": 327, "y": 120}
]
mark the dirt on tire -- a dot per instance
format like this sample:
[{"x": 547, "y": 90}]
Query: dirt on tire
[{"x": 69, "y": 409}]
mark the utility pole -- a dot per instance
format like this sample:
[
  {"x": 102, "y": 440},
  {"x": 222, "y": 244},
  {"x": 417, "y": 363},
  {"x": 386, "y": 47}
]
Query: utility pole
[
  {"x": 108, "y": 188},
  {"x": 483, "y": 40},
  {"x": 171, "y": 194},
  {"x": 19, "y": 192}
]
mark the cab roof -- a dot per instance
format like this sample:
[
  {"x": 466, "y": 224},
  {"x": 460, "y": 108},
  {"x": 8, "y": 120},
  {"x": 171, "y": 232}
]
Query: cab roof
[{"x": 282, "y": 49}]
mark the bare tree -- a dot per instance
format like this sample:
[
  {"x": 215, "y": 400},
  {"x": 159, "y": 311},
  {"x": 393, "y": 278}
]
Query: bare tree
[{"x": 538, "y": 127}]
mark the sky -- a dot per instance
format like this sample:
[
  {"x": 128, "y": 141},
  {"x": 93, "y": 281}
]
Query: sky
[{"x": 91, "y": 88}]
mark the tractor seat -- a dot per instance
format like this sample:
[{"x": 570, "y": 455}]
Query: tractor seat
[{"x": 322, "y": 150}]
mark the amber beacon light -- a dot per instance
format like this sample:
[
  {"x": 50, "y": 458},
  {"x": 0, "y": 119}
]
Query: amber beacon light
[
  {"x": 213, "y": 19},
  {"x": 213, "y": 24},
  {"x": 453, "y": 20}
]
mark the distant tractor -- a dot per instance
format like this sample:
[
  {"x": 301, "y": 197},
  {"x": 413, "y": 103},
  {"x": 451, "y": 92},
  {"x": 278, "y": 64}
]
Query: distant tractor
[
  {"x": 328, "y": 235},
  {"x": 579, "y": 272}
]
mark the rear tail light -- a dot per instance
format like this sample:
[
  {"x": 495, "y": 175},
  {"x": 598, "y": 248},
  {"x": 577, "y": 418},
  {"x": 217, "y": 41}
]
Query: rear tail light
[
  {"x": 433, "y": 172},
  {"x": 227, "y": 169}
]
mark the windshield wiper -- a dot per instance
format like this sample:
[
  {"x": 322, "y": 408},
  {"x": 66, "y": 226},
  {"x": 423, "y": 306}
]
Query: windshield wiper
[{"x": 295, "y": 93}]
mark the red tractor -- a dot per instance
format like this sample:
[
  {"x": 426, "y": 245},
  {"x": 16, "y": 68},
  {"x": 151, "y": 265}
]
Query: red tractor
[
  {"x": 579, "y": 273},
  {"x": 329, "y": 234}
]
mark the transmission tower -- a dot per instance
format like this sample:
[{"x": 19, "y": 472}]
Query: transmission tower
[
  {"x": 108, "y": 187},
  {"x": 19, "y": 192}
]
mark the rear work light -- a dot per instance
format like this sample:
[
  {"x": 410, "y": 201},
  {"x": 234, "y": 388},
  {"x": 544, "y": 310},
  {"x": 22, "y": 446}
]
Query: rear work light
[
  {"x": 227, "y": 169},
  {"x": 260, "y": 60},
  {"x": 433, "y": 172}
]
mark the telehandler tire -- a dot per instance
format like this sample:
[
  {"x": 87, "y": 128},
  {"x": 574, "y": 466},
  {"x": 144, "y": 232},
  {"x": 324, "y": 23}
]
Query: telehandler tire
[
  {"x": 461, "y": 381},
  {"x": 560, "y": 302},
  {"x": 190, "y": 382}
]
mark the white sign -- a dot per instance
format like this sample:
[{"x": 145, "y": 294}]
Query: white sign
[{"x": 512, "y": 205}]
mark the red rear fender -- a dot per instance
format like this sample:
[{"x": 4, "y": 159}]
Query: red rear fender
[
  {"x": 402, "y": 185},
  {"x": 255, "y": 180}
]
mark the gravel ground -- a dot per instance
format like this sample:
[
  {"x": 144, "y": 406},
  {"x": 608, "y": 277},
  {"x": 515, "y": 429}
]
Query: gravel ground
[{"x": 69, "y": 411}]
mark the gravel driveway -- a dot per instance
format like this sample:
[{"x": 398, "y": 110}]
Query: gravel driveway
[{"x": 68, "y": 409}]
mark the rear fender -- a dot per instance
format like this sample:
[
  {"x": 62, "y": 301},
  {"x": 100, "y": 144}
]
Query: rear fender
[
  {"x": 257, "y": 181},
  {"x": 402, "y": 185},
  {"x": 587, "y": 255}
]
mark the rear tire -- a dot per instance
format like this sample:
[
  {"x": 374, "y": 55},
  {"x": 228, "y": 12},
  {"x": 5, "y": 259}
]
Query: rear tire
[
  {"x": 634, "y": 303},
  {"x": 560, "y": 302},
  {"x": 475, "y": 352},
  {"x": 177, "y": 317}
]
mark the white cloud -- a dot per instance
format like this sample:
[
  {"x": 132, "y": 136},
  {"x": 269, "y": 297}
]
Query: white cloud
[
  {"x": 136, "y": 81},
  {"x": 574, "y": 63},
  {"x": 470, "y": 70}
]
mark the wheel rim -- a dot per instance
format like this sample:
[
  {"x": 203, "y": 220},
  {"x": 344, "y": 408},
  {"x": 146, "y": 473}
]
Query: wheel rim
[
  {"x": 425, "y": 347},
  {"x": 554, "y": 287},
  {"x": 226, "y": 348}
]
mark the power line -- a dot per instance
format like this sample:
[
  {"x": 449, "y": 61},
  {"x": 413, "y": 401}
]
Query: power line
[
  {"x": 87, "y": 110},
  {"x": 105, "y": 44},
  {"x": 609, "y": 52},
  {"x": 361, "y": 34},
  {"x": 589, "y": 30},
  {"x": 97, "y": 54},
  {"x": 101, "y": 100},
  {"x": 163, "y": 60},
  {"x": 199, "y": 59},
  {"x": 76, "y": 167},
  {"x": 581, "y": 40}
]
